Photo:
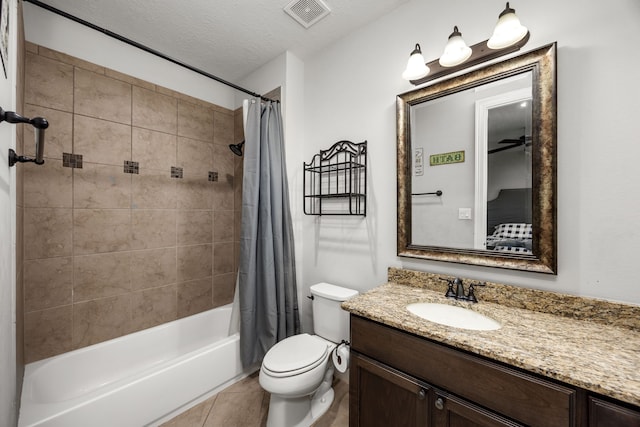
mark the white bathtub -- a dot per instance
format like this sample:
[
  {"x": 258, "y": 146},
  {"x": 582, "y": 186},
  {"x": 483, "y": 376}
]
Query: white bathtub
[{"x": 135, "y": 380}]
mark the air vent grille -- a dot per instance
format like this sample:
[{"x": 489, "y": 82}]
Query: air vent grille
[{"x": 307, "y": 12}]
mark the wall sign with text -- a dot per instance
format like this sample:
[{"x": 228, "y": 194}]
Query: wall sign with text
[{"x": 446, "y": 158}]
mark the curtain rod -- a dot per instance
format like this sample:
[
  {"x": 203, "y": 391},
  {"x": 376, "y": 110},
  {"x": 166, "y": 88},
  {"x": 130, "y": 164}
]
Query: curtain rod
[{"x": 143, "y": 47}]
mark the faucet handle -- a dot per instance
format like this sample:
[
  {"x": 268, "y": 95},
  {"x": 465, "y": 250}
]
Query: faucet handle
[
  {"x": 450, "y": 292},
  {"x": 471, "y": 296}
]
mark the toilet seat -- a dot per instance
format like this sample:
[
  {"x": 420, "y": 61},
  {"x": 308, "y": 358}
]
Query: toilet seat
[{"x": 295, "y": 355}]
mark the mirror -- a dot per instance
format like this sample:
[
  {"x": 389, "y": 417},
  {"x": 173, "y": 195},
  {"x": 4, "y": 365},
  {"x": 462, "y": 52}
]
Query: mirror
[{"x": 477, "y": 166}]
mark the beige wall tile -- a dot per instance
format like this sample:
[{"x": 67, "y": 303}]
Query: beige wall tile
[
  {"x": 153, "y": 228},
  {"x": 238, "y": 126},
  {"x": 68, "y": 59},
  {"x": 101, "y": 320},
  {"x": 153, "y": 307},
  {"x": 153, "y": 268},
  {"x": 223, "y": 194},
  {"x": 109, "y": 239},
  {"x": 194, "y": 297},
  {"x": 237, "y": 225},
  {"x": 195, "y": 121},
  {"x": 48, "y": 283},
  {"x": 195, "y": 157},
  {"x": 47, "y": 333},
  {"x": 223, "y": 160},
  {"x": 223, "y": 258},
  {"x": 194, "y": 227},
  {"x": 237, "y": 191},
  {"x": 31, "y": 47},
  {"x": 48, "y": 83},
  {"x": 223, "y": 226},
  {"x": 152, "y": 110},
  {"x": 236, "y": 259},
  {"x": 194, "y": 262},
  {"x": 223, "y": 125},
  {"x": 194, "y": 191},
  {"x": 128, "y": 79},
  {"x": 47, "y": 232},
  {"x": 223, "y": 289},
  {"x": 101, "y": 97},
  {"x": 101, "y": 141},
  {"x": 101, "y": 275},
  {"x": 101, "y": 186},
  {"x": 48, "y": 185},
  {"x": 58, "y": 136},
  {"x": 153, "y": 189},
  {"x": 153, "y": 150},
  {"x": 101, "y": 230}
]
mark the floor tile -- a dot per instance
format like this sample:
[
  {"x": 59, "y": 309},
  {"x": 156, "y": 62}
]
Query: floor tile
[{"x": 245, "y": 404}]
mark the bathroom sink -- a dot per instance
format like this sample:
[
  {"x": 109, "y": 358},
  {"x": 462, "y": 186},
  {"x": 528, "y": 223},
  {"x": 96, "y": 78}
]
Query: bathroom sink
[{"x": 451, "y": 315}]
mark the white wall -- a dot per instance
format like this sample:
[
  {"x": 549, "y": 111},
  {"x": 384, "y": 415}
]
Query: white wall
[
  {"x": 8, "y": 410},
  {"x": 56, "y": 32},
  {"x": 350, "y": 91}
]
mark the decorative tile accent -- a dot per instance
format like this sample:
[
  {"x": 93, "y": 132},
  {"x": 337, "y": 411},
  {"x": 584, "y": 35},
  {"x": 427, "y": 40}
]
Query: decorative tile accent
[
  {"x": 131, "y": 167},
  {"x": 213, "y": 176},
  {"x": 72, "y": 160},
  {"x": 176, "y": 172}
]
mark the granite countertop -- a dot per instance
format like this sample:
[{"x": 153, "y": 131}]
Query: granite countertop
[{"x": 600, "y": 357}]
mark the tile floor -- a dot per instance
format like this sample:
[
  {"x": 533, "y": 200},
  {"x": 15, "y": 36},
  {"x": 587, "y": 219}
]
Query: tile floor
[{"x": 245, "y": 404}]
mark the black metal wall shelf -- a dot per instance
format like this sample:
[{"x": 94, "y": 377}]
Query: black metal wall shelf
[{"x": 335, "y": 181}]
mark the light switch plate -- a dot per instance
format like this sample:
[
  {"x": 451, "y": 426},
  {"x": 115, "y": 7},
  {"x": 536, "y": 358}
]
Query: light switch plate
[{"x": 464, "y": 213}]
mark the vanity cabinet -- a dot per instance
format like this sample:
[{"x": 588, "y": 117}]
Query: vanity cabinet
[
  {"x": 383, "y": 396},
  {"x": 459, "y": 389},
  {"x": 387, "y": 397},
  {"x": 603, "y": 413}
]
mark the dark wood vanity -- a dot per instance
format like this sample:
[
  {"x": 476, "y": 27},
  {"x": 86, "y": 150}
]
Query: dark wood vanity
[{"x": 400, "y": 379}]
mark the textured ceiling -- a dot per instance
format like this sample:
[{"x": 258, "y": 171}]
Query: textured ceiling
[{"x": 227, "y": 38}]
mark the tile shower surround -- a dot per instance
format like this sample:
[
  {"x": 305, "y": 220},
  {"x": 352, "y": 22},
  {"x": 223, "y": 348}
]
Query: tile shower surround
[{"x": 124, "y": 226}]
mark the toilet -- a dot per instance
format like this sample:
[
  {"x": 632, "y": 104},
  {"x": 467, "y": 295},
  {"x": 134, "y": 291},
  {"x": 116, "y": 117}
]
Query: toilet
[{"x": 298, "y": 371}]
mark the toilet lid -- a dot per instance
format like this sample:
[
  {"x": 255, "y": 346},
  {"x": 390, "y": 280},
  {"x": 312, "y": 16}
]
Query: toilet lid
[{"x": 295, "y": 354}]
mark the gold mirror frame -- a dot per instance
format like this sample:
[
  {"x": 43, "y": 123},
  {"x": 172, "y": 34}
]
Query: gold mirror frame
[{"x": 542, "y": 63}]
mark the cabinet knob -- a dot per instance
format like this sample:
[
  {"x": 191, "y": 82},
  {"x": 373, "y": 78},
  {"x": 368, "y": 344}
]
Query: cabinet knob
[
  {"x": 422, "y": 394},
  {"x": 440, "y": 403}
]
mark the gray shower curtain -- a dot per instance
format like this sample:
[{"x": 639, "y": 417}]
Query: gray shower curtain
[{"x": 267, "y": 275}]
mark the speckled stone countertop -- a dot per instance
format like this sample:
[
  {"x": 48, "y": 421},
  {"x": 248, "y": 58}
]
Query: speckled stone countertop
[{"x": 584, "y": 342}]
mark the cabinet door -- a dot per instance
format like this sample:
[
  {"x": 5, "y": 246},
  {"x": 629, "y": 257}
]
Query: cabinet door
[
  {"x": 451, "y": 411},
  {"x": 606, "y": 414},
  {"x": 380, "y": 396}
]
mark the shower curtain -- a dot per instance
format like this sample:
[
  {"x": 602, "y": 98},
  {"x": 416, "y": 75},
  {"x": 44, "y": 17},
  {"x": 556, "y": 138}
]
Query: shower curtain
[{"x": 267, "y": 276}]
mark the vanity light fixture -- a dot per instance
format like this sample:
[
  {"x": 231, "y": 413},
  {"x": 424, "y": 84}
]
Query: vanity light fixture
[
  {"x": 508, "y": 30},
  {"x": 416, "y": 67},
  {"x": 456, "y": 51},
  {"x": 508, "y": 36}
]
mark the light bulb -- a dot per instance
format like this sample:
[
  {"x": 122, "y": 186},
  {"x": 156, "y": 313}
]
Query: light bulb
[{"x": 416, "y": 67}]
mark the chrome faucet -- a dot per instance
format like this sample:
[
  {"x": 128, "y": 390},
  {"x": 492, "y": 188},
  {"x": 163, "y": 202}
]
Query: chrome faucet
[{"x": 459, "y": 293}]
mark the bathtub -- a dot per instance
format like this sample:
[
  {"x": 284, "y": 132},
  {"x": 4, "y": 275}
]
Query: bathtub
[{"x": 136, "y": 380}]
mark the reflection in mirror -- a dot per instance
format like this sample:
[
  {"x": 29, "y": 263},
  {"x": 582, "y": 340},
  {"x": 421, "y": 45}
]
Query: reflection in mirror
[
  {"x": 476, "y": 166},
  {"x": 490, "y": 155}
]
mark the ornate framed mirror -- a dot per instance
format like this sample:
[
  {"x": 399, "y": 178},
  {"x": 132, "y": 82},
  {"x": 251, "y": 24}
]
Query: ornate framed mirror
[{"x": 477, "y": 166}]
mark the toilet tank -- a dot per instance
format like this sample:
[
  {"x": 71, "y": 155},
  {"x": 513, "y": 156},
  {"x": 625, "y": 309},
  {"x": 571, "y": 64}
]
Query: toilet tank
[{"x": 329, "y": 320}]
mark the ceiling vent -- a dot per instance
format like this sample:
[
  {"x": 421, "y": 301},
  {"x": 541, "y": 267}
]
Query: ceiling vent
[{"x": 307, "y": 12}]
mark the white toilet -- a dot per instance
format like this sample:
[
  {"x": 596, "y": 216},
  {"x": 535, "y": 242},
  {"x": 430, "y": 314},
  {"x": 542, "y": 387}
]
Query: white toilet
[{"x": 298, "y": 371}]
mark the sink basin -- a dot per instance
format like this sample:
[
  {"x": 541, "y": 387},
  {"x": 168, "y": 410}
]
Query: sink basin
[{"x": 451, "y": 315}]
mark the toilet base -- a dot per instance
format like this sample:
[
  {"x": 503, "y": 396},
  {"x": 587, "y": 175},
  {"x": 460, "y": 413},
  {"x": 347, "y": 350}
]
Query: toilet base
[{"x": 301, "y": 411}]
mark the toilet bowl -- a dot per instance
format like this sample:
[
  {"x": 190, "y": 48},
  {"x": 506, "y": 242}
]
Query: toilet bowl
[{"x": 298, "y": 371}]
